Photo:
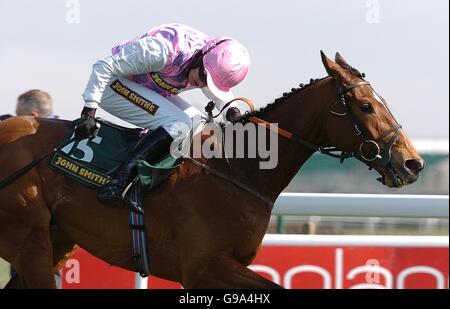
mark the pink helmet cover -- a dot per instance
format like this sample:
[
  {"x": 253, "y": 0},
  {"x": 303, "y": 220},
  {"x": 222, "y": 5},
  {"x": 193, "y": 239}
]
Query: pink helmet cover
[{"x": 226, "y": 64}]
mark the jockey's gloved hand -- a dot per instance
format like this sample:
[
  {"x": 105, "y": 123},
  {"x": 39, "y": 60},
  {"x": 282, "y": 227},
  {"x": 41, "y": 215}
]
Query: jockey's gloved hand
[
  {"x": 88, "y": 127},
  {"x": 233, "y": 114}
]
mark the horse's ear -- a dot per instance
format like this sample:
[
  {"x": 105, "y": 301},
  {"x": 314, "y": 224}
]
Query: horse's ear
[
  {"x": 333, "y": 69},
  {"x": 341, "y": 61}
]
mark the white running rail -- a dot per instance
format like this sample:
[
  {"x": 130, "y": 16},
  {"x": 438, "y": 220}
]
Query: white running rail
[{"x": 362, "y": 205}]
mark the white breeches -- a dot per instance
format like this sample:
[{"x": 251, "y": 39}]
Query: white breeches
[{"x": 145, "y": 108}]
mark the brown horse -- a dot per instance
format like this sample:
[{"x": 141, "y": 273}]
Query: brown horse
[{"x": 203, "y": 230}]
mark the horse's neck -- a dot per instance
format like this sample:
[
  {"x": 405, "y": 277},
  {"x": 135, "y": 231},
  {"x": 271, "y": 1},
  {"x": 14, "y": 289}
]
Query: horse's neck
[{"x": 303, "y": 114}]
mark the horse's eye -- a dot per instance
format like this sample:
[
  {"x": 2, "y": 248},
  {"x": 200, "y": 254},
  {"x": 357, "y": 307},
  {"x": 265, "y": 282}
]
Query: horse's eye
[{"x": 366, "y": 108}]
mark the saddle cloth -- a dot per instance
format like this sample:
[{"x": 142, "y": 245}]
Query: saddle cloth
[{"x": 91, "y": 162}]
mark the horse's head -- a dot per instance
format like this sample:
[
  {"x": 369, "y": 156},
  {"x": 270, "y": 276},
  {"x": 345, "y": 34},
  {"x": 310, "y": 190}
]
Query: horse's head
[{"x": 360, "y": 122}]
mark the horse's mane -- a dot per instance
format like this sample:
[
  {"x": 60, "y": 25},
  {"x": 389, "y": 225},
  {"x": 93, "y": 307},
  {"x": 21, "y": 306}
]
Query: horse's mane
[{"x": 279, "y": 101}]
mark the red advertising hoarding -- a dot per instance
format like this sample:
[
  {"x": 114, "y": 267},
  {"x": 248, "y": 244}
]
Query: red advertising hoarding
[{"x": 299, "y": 268}]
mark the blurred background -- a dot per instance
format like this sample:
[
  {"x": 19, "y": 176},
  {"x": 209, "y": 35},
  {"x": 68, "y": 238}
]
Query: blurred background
[{"x": 402, "y": 46}]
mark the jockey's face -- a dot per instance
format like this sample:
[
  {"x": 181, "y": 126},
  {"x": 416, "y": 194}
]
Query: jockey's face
[{"x": 194, "y": 78}]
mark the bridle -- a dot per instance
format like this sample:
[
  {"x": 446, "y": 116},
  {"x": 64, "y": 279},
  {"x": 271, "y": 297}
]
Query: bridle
[{"x": 382, "y": 154}]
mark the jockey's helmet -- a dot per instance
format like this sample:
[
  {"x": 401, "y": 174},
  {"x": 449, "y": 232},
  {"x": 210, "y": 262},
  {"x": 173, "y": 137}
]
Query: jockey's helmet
[{"x": 226, "y": 62}]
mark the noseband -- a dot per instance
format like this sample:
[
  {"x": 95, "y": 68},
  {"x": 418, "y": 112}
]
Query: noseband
[{"x": 382, "y": 154}]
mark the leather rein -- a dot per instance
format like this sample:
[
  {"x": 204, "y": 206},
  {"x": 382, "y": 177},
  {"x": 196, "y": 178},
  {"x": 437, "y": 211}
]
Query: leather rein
[{"x": 382, "y": 154}]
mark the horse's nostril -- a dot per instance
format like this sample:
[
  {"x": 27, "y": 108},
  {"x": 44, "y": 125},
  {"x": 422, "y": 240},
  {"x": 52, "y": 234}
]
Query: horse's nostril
[{"x": 415, "y": 165}]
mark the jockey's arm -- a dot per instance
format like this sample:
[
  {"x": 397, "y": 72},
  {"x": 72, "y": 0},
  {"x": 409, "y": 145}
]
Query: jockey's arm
[{"x": 142, "y": 56}]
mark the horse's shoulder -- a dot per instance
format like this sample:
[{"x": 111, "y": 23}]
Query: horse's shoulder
[
  {"x": 17, "y": 127},
  {"x": 14, "y": 128}
]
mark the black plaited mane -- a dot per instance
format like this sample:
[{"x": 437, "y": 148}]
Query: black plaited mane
[
  {"x": 353, "y": 70},
  {"x": 269, "y": 107}
]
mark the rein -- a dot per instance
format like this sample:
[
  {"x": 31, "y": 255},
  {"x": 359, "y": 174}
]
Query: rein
[
  {"x": 209, "y": 108},
  {"x": 211, "y": 105},
  {"x": 11, "y": 178},
  {"x": 383, "y": 154},
  {"x": 292, "y": 137}
]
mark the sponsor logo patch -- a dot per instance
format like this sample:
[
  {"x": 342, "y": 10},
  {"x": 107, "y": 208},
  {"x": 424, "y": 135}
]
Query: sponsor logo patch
[
  {"x": 78, "y": 171},
  {"x": 164, "y": 85},
  {"x": 134, "y": 97}
]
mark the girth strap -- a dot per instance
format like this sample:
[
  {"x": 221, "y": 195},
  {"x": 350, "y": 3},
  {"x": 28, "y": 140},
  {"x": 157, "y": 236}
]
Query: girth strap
[{"x": 139, "y": 245}]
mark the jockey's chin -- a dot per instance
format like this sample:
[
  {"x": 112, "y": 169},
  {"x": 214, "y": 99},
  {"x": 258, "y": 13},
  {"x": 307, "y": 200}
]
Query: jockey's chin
[{"x": 194, "y": 78}]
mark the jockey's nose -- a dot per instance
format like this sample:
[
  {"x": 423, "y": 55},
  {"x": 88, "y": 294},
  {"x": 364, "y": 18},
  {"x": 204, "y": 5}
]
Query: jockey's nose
[{"x": 415, "y": 166}]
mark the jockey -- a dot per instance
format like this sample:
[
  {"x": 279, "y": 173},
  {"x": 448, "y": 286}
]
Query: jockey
[{"x": 139, "y": 83}]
